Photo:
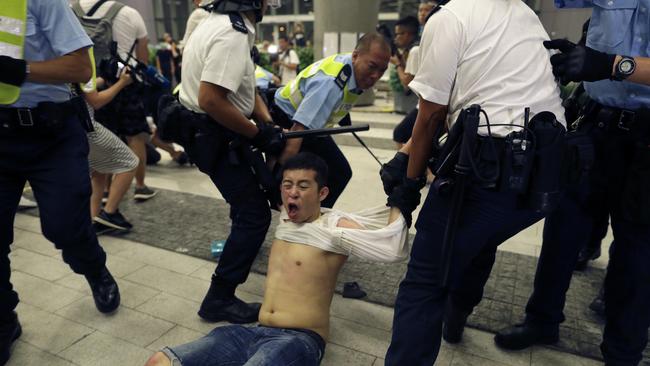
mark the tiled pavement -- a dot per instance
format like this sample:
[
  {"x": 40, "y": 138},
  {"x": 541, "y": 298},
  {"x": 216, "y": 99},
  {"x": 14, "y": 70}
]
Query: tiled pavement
[{"x": 161, "y": 291}]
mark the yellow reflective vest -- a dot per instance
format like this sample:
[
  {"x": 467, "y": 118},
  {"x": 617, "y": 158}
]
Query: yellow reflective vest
[
  {"x": 13, "y": 19},
  {"x": 329, "y": 66}
]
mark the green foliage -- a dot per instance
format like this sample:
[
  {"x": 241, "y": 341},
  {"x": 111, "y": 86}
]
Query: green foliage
[
  {"x": 393, "y": 81},
  {"x": 265, "y": 62},
  {"x": 306, "y": 56}
]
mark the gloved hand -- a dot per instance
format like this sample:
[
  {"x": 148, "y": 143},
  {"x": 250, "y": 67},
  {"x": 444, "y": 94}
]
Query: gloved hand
[
  {"x": 406, "y": 197},
  {"x": 579, "y": 63},
  {"x": 269, "y": 139},
  {"x": 12, "y": 71},
  {"x": 393, "y": 172}
]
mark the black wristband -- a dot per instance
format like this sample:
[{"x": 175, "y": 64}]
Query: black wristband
[{"x": 12, "y": 71}]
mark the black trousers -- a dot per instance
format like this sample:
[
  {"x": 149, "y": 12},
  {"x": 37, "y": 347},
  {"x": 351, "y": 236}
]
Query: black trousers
[{"x": 56, "y": 166}]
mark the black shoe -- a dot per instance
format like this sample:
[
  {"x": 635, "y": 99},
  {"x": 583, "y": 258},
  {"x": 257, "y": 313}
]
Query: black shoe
[
  {"x": 598, "y": 305},
  {"x": 525, "y": 335},
  {"x": 232, "y": 310},
  {"x": 101, "y": 229},
  {"x": 143, "y": 193},
  {"x": 9, "y": 332},
  {"x": 352, "y": 290},
  {"x": 453, "y": 324},
  {"x": 587, "y": 254},
  {"x": 105, "y": 291},
  {"x": 114, "y": 220}
]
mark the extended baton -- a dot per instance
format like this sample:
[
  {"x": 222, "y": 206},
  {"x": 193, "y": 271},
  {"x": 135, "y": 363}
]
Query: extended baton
[{"x": 326, "y": 131}]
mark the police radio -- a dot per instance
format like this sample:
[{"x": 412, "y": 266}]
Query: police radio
[{"x": 518, "y": 159}]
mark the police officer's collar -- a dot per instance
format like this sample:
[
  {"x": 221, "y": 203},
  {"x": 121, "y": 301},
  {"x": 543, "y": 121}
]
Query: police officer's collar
[
  {"x": 352, "y": 83},
  {"x": 241, "y": 23}
]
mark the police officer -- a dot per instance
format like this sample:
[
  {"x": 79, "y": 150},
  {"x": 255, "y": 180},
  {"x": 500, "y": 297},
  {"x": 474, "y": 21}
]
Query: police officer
[
  {"x": 219, "y": 87},
  {"x": 504, "y": 70},
  {"x": 615, "y": 67},
  {"x": 43, "y": 141},
  {"x": 322, "y": 96}
]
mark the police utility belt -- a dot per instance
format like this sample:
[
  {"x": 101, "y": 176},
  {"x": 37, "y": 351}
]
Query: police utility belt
[
  {"x": 45, "y": 117},
  {"x": 617, "y": 120},
  {"x": 535, "y": 162}
]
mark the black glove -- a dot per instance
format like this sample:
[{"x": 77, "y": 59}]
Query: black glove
[
  {"x": 406, "y": 197},
  {"x": 12, "y": 71},
  {"x": 269, "y": 139},
  {"x": 579, "y": 63},
  {"x": 276, "y": 194},
  {"x": 393, "y": 172}
]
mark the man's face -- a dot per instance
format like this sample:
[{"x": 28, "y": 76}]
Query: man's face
[
  {"x": 369, "y": 66},
  {"x": 301, "y": 196},
  {"x": 423, "y": 11},
  {"x": 403, "y": 37},
  {"x": 283, "y": 44}
]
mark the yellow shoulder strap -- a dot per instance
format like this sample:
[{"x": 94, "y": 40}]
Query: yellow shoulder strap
[{"x": 13, "y": 19}]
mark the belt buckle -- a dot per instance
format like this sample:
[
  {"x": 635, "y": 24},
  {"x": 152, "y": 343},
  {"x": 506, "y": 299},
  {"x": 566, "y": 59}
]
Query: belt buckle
[
  {"x": 625, "y": 119},
  {"x": 25, "y": 118}
]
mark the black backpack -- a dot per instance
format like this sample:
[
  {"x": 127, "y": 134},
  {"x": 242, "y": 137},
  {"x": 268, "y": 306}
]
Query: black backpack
[{"x": 100, "y": 30}]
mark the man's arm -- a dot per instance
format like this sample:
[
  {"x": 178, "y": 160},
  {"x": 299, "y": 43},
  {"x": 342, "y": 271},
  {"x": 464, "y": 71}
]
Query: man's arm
[
  {"x": 261, "y": 111},
  {"x": 142, "y": 50},
  {"x": 641, "y": 74},
  {"x": 419, "y": 146},
  {"x": 99, "y": 99},
  {"x": 213, "y": 99},
  {"x": 74, "y": 67},
  {"x": 293, "y": 145}
]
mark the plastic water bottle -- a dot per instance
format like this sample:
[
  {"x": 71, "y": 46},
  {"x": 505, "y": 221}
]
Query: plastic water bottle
[{"x": 216, "y": 248}]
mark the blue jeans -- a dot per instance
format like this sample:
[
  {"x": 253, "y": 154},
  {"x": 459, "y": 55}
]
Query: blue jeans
[{"x": 250, "y": 346}]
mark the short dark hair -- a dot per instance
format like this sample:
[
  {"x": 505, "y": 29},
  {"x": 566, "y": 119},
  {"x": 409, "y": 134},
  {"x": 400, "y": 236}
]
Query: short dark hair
[
  {"x": 410, "y": 23},
  {"x": 308, "y": 161},
  {"x": 284, "y": 38},
  {"x": 368, "y": 39}
]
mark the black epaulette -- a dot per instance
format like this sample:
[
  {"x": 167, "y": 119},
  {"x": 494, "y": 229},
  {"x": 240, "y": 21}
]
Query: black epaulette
[
  {"x": 344, "y": 76},
  {"x": 437, "y": 8},
  {"x": 238, "y": 22}
]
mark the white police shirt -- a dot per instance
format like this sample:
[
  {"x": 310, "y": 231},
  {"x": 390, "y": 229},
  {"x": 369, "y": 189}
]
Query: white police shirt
[
  {"x": 487, "y": 52},
  {"x": 218, "y": 54}
]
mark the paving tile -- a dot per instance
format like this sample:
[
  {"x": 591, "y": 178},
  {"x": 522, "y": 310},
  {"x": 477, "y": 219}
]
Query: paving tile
[
  {"x": 174, "y": 337},
  {"x": 38, "y": 265},
  {"x": 372, "y": 315},
  {"x": 544, "y": 356},
  {"x": 48, "y": 331},
  {"x": 379, "y": 362},
  {"x": 42, "y": 294},
  {"x": 163, "y": 258},
  {"x": 177, "y": 310},
  {"x": 466, "y": 359},
  {"x": 353, "y": 335},
  {"x": 34, "y": 242},
  {"x": 138, "y": 328},
  {"x": 24, "y": 354},
  {"x": 27, "y": 222},
  {"x": 336, "y": 355},
  {"x": 519, "y": 247},
  {"x": 99, "y": 349},
  {"x": 113, "y": 245},
  {"x": 481, "y": 344},
  {"x": 132, "y": 294},
  {"x": 254, "y": 284},
  {"x": 171, "y": 282}
]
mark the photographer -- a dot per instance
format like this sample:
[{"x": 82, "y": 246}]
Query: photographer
[{"x": 287, "y": 62}]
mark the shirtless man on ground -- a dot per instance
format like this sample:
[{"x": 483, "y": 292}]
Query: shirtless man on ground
[{"x": 294, "y": 318}]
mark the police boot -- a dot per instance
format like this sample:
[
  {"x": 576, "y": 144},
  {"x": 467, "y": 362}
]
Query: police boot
[
  {"x": 598, "y": 305},
  {"x": 587, "y": 254},
  {"x": 525, "y": 335},
  {"x": 221, "y": 304},
  {"x": 105, "y": 291},
  {"x": 10, "y": 330},
  {"x": 453, "y": 323}
]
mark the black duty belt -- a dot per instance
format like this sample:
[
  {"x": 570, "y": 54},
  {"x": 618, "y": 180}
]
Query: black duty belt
[
  {"x": 45, "y": 115},
  {"x": 623, "y": 120}
]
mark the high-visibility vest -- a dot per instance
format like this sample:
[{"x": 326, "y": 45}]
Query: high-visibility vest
[
  {"x": 329, "y": 66},
  {"x": 13, "y": 19},
  {"x": 259, "y": 73}
]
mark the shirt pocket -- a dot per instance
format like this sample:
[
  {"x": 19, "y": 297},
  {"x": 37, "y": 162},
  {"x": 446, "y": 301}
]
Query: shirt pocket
[{"x": 610, "y": 22}]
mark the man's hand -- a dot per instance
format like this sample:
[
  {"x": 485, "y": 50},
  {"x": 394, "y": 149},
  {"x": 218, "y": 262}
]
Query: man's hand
[
  {"x": 393, "y": 172},
  {"x": 579, "y": 63},
  {"x": 406, "y": 197},
  {"x": 269, "y": 139},
  {"x": 12, "y": 71}
]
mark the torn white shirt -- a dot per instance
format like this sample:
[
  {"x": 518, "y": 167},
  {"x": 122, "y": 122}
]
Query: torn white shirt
[{"x": 378, "y": 241}]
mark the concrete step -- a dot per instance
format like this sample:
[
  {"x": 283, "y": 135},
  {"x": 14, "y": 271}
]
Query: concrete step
[{"x": 377, "y": 119}]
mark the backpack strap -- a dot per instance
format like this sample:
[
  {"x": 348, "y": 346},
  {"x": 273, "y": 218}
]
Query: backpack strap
[
  {"x": 112, "y": 12},
  {"x": 95, "y": 7}
]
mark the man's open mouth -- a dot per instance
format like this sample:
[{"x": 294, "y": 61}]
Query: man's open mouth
[{"x": 292, "y": 209}]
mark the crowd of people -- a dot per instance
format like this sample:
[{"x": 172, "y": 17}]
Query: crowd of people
[{"x": 79, "y": 104}]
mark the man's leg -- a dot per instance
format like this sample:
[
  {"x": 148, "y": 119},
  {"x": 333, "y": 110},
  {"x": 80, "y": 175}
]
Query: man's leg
[
  {"x": 251, "y": 217},
  {"x": 417, "y": 323},
  {"x": 339, "y": 168},
  {"x": 61, "y": 184},
  {"x": 627, "y": 294},
  {"x": 98, "y": 181},
  {"x": 287, "y": 347},
  {"x": 226, "y": 345},
  {"x": 137, "y": 144}
]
